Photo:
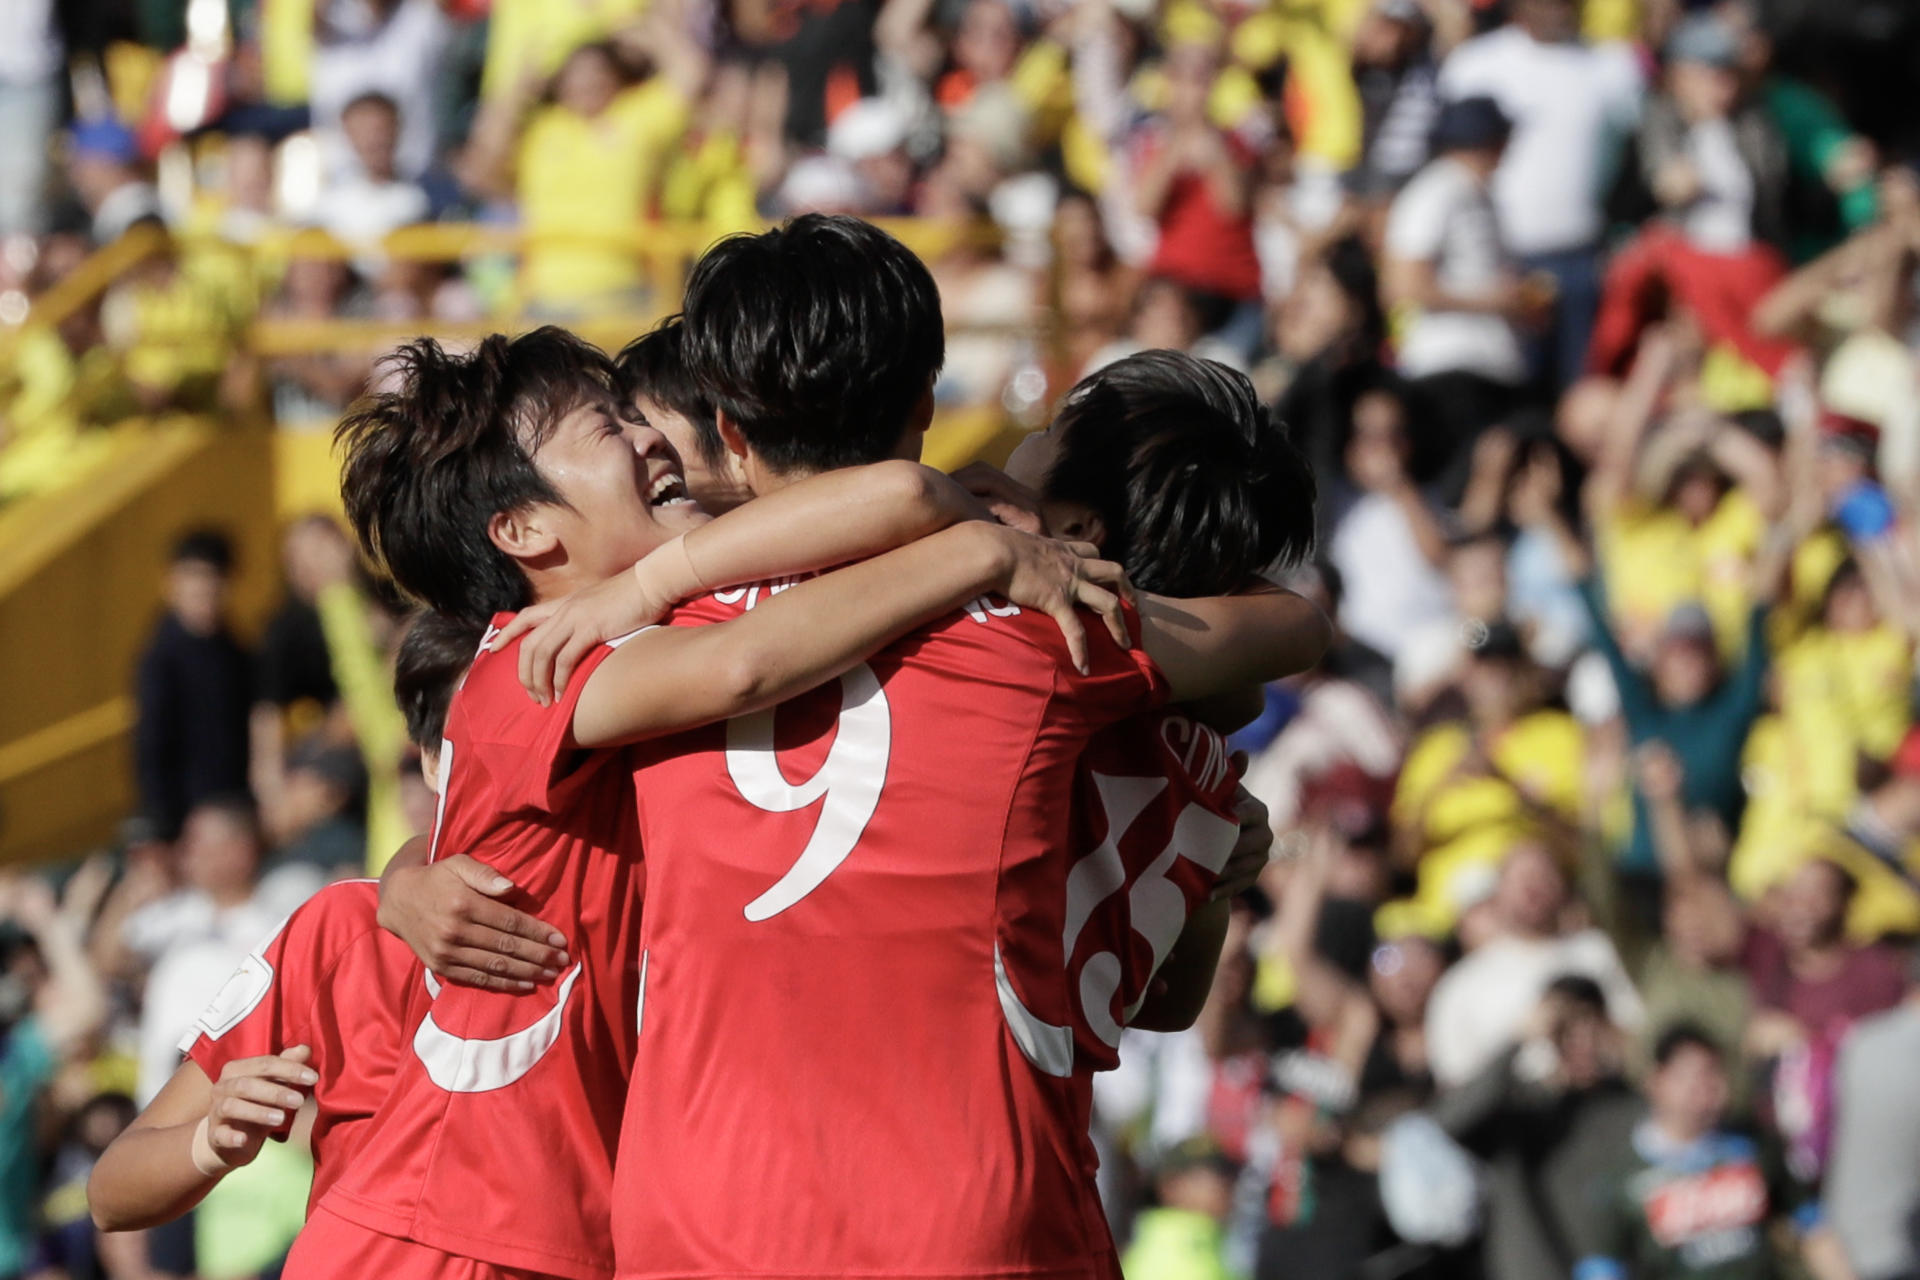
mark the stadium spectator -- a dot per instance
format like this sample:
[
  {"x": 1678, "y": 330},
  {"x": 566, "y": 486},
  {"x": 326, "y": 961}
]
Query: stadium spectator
[
  {"x": 1693, "y": 1198},
  {"x": 1872, "y": 1190},
  {"x": 371, "y": 199},
  {"x": 1551, "y": 1116},
  {"x": 30, "y": 105},
  {"x": 104, "y": 170},
  {"x": 1573, "y": 104},
  {"x": 192, "y": 938},
  {"x": 1480, "y": 1007},
  {"x": 194, "y": 689},
  {"x": 1447, "y": 264}
]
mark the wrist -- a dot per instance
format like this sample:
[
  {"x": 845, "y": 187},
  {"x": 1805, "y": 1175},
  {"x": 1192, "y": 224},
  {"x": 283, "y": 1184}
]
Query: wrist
[
  {"x": 666, "y": 576},
  {"x": 205, "y": 1158}
]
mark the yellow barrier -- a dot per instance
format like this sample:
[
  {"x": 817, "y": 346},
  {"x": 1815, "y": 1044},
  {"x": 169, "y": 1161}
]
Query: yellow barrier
[{"x": 80, "y": 577}]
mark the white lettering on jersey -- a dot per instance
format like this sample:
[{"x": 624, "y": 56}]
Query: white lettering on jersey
[
  {"x": 459, "y": 1065},
  {"x": 980, "y": 608},
  {"x": 851, "y": 779},
  {"x": 1156, "y": 907}
]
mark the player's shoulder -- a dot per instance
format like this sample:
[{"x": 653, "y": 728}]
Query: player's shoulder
[{"x": 333, "y": 920}]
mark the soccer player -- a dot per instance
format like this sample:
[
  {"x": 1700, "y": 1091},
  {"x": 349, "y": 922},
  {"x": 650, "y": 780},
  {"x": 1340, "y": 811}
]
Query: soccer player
[
  {"x": 511, "y": 476},
  {"x": 836, "y": 1063},
  {"x": 312, "y": 1012}
]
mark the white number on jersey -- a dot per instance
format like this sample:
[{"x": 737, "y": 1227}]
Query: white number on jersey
[
  {"x": 1157, "y": 908},
  {"x": 850, "y": 779}
]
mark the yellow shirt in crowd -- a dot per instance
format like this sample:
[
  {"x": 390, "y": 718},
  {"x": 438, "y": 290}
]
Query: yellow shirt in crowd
[
  {"x": 587, "y": 183},
  {"x": 1465, "y": 821}
]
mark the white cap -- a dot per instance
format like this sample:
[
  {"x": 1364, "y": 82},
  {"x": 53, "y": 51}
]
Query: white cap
[{"x": 868, "y": 128}]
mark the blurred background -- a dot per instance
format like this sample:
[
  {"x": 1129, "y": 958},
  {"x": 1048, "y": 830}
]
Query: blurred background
[{"x": 1588, "y": 948}]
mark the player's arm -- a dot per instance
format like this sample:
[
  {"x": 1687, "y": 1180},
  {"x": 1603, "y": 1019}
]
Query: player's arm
[
  {"x": 1216, "y": 646},
  {"x": 194, "y": 1133},
  {"x": 816, "y": 523},
  {"x": 674, "y": 678},
  {"x": 449, "y": 914}
]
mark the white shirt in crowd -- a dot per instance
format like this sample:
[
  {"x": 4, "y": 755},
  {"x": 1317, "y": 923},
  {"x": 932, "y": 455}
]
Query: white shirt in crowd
[
  {"x": 1720, "y": 220},
  {"x": 1480, "y": 1005},
  {"x": 30, "y": 50},
  {"x": 193, "y": 947},
  {"x": 1391, "y": 589},
  {"x": 1572, "y": 105},
  {"x": 399, "y": 58},
  {"x": 1445, "y": 217}
]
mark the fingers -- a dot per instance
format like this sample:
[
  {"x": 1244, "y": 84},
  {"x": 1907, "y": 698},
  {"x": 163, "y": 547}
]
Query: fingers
[
  {"x": 577, "y": 647},
  {"x": 298, "y": 1053},
  {"x": 1107, "y": 605},
  {"x": 495, "y": 926},
  {"x": 263, "y": 1092},
  {"x": 232, "y": 1110},
  {"x": 524, "y": 621},
  {"x": 504, "y": 953},
  {"x": 462, "y": 975},
  {"x": 279, "y": 1068},
  {"x": 1070, "y": 626},
  {"x": 477, "y": 875}
]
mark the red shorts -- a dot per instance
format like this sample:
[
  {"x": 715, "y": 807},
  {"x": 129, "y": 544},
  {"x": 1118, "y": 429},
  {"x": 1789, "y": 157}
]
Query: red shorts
[{"x": 331, "y": 1248}]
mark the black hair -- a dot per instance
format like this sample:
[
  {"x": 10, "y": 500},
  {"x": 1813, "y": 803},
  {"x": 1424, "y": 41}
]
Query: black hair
[
  {"x": 818, "y": 339},
  {"x": 1578, "y": 989},
  {"x": 372, "y": 98},
  {"x": 209, "y": 547},
  {"x": 654, "y": 365},
  {"x": 238, "y": 808},
  {"x": 429, "y": 465},
  {"x": 1682, "y": 1036},
  {"x": 433, "y": 656},
  {"x": 1198, "y": 489}
]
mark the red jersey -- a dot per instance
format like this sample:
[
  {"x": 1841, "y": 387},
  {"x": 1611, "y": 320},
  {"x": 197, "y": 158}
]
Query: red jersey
[
  {"x": 1154, "y": 822},
  {"x": 497, "y": 1141},
  {"x": 330, "y": 978},
  {"x": 830, "y": 1078}
]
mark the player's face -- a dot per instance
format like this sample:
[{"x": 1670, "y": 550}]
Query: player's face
[
  {"x": 1033, "y": 458},
  {"x": 623, "y": 486}
]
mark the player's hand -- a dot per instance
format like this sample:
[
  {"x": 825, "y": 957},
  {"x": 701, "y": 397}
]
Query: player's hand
[
  {"x": 561, "y": 632},
  {"x": 253, "y": 1099},
  {"x": 1005, "y": 499},
  {"x": 1251, "y": 852},
  {"x": 1055, "y": 577},
  {"x": 449, "y": 914}
]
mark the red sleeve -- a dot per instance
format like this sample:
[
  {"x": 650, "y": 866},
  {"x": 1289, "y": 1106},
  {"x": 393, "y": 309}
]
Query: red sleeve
[
  {"x": 1119, "y": 682},
  {"x": 267, "y": 1003},
  {"x": 527, "y": 750}
]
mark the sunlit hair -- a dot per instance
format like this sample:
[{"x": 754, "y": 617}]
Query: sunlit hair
[
  {"x": 430, "y": 463},
  {"x": 1198, "y": 489}
]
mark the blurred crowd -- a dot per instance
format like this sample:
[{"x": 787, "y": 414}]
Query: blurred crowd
[{"x": 1587, "y": 949}]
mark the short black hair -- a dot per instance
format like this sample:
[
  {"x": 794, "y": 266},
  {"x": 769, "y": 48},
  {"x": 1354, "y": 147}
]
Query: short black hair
[
  {"x": 433, "y": 656},
  {"x": 209, "y": 547},
  {"x": 1579, "y": 989},
  {"x": 817, "y": 338},
  {"x": 1198, "y": 488},
  {"x": 238, "y": 808},
  {"x": 372, "y": 98},
  {"x": 654, "y": 365},
  {"x": 429, "y": 465},
  {"x": 1681, "y": 1036}
]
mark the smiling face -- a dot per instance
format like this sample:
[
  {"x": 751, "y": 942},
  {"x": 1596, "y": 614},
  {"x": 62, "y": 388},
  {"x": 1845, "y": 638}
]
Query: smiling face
[{"x": 623, "y": 490}]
